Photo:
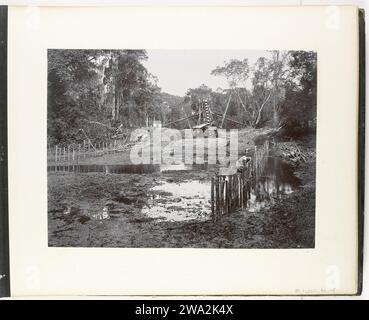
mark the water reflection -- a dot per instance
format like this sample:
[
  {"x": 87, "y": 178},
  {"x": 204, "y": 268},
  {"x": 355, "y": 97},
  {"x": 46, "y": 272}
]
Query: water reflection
[
  {"x": 191, "y": 200},
  {"x": 273, "y": 179}
]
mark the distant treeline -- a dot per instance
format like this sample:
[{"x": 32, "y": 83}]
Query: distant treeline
[{"x": 102, "y": 90}]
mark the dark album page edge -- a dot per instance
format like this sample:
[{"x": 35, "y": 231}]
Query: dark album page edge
[{"x": 4, "y": 212}]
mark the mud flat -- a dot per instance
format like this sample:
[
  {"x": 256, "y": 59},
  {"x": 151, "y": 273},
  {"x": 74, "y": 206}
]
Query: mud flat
[{"x": 168, "y": 208}]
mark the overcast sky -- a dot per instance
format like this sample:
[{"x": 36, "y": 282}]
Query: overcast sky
[{"x": 178, "y": 70}]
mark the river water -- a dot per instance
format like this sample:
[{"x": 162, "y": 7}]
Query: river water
[{"x": 190, "y": 200}]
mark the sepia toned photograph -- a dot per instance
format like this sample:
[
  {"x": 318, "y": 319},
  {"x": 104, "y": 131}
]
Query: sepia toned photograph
[{"x": 181, "y": 148}]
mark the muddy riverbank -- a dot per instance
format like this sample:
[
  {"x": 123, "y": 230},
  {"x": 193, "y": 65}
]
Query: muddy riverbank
[{"x": 138, "y": 208}]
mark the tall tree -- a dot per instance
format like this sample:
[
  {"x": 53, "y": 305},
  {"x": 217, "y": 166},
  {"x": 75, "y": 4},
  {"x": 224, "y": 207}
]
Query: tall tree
[
  {"x": 237, "y": 73},
  {"x": 278, "y": 68},
  {"x": 299, "y": 107},
  {"x": 73, "y": 91},
  {"x": 97, "y": 91},
  {"x": 123, "y": 75}
]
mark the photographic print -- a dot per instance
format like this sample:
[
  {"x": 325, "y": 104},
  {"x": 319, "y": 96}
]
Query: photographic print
[{"x": 181, "y": 148}]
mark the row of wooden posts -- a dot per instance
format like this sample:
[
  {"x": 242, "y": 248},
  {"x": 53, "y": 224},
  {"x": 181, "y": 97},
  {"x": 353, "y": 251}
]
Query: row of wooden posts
[
  {"x": 73, "y": 154},
  {"x": 229, "y": 193},
  {"x": 232, "y": 192}
]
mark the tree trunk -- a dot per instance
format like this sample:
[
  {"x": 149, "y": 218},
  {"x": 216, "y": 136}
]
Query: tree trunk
[
  {"x": 243, "y": 104},
  {"x": 118, "y": 100},
  {"x": 275, "y": 113},
  {"x": 226, "y": 110},
  {"x": 258, "y": 117},
  {"x": 275, "y": 89}
]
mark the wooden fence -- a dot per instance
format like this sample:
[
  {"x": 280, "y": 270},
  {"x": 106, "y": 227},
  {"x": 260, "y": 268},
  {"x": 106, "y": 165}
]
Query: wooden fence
[
  {"x": 232, "y": 192},
  {"x": 74, "y": 153},
  {"x": 229, "y": 193}
]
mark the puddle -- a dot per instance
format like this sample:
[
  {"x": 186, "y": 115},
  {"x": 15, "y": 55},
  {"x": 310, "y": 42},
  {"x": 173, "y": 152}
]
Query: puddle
[
  {"x": 191, "y": 200},
  {"x": 186, "y": 167},
  {"x": 180, "y": 201}
]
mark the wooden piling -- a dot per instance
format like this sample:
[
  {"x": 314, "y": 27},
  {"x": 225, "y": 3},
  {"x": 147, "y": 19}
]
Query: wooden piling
[
  {"x": 245, "y": 194},
  {"x": 212, "y": 198},
  {"x": 217, "y": 197},
  {"x": 230, "y": 194},
  {"x": 79, "y": 153},
  {"x": 244, "y": 189},
  {"x": 227, "y": 197},
  {"x": 235, "y": 192},
  {"x": 241, "y": 189},
  {"x": 221, "y": 193},
  {"x": 56, "y": 158}
]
